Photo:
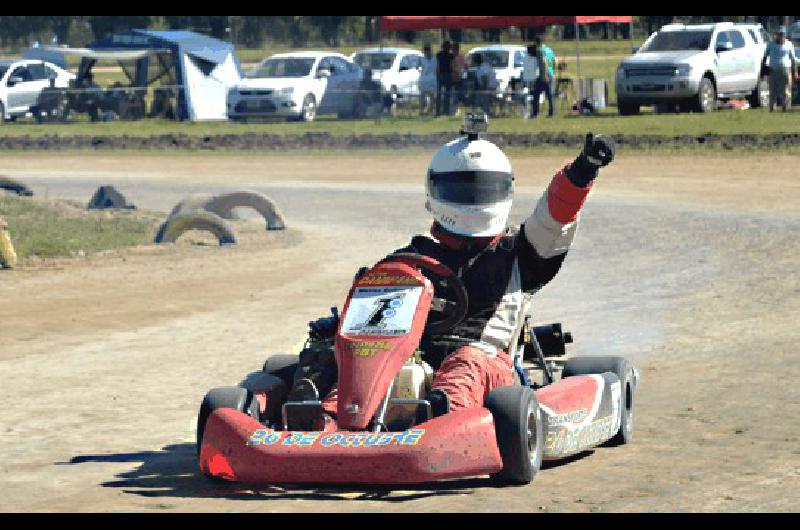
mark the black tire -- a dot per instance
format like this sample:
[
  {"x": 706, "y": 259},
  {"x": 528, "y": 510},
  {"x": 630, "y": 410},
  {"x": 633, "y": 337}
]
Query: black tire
[
  {"x": 624, "y": 370},
  {"x": 706, "y": 98},
  {"x": 760, "y": 95},
  {"x": 226, "y": 397},
  {"x": 627, "y": 108},
  {"x": 309, "y": 109},
  {"x": 283, "y": 366},
  {"x": 519, "y": 428}
]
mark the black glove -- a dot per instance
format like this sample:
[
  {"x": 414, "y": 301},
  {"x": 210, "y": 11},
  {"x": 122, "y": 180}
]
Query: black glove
[{"x": 597, "y": 152}]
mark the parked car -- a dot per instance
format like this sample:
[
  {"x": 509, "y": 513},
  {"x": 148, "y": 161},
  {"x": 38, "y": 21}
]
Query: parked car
[
  {"x": 298, "y": 85},
  {"x": 22, "y": 81},
  {"x": 396, "y": 69},
  {"x": 692, "y": 66},
  {"x": 506, "y": 60}
]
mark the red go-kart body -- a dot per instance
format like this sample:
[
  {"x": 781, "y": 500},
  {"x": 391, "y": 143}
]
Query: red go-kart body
[{"x": 380, "y": 329}]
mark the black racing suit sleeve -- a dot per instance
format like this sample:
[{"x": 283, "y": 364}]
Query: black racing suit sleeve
[{"x": 535, "y": 271}]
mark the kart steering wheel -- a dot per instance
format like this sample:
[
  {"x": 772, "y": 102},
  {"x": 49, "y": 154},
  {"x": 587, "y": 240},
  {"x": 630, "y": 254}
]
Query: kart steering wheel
[{"x": 453, "y": 307}]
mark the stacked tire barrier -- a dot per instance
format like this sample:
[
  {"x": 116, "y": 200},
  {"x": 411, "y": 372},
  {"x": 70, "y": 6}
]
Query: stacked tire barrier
[{"x": 209, "y": 212}]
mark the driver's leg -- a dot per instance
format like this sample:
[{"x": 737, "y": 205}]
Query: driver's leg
[{"x": 470, "y": 373}]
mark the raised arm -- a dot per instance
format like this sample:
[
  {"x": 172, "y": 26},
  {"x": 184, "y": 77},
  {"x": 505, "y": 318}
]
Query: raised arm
[{"x": 548, "y": 233}]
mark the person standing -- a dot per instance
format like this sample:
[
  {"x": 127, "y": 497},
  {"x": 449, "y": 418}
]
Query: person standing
[
  {"x": 459, "y": 66},
  {"x": 487, "y": 83},
  {"x": 427, "y": 80},
  {"x": 551, "y": 60},
  {"x": 541, "y": 84},
  {"x": 444, "y": 78},
  {"x": 530, "y": 72},
  {"x": 782, "y": 62}
]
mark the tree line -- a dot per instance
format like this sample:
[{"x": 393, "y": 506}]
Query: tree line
[{"x": 299, "y": 31}]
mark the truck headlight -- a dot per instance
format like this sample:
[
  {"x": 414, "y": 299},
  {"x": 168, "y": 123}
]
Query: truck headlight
[{"x": 683, "y": 70}]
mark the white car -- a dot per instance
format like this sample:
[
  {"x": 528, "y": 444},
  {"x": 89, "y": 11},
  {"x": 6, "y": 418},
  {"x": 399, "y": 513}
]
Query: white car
[
  {"x": 21, "y": 82},
  {"x": 297, "y": 85},
  {"x": 506, "y": 60},
  {"x": 692, "y": 66},
  {"x": 396, "y": 69}
]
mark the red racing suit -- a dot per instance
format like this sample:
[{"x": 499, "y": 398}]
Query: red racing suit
[{"x": 473, "y": 359}]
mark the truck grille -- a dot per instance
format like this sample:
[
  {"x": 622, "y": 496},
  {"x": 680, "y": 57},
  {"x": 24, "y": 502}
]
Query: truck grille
[
  {"x": 664, "y": 71},
  {"x": 255, "y": 92}
]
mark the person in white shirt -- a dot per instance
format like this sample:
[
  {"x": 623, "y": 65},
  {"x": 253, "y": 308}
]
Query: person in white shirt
[
  {"x": 427, "y": 80},
  {"x": 782, "y": 62}
]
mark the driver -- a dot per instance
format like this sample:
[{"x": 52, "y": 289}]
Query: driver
[{"x": 469, "y": 189}]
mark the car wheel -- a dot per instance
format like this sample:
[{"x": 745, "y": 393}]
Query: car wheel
[
  {"x": 627, "y": 375},
  {"x": 627, "y": 108},
  {"x": 760, "y": 95},
  {"x": 519, "y": 428},
  {"x": 706, "y": 99},
  {"x": 226, "y": 397},
  {"x": 309, "y": 108}
]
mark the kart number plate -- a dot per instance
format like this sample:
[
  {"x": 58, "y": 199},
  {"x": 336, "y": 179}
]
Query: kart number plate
[{"x": 381, "y": 310}]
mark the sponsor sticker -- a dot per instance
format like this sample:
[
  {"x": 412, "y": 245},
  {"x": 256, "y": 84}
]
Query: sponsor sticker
[
  {"x": 381, "y": 310},
  {"x": 336, "y": 439},
  {"x": 382, "y": 278},
  {"x": 368, "y": 348},
  {"x": 561, "y": 440}
]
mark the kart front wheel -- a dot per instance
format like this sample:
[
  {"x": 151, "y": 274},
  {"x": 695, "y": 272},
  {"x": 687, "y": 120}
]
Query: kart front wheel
[
  {"x": 226, "y": 397},
  {"x": 519, "y": 428}
]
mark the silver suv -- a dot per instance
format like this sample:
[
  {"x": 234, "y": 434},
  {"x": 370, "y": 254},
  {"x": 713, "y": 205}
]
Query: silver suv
[{"x": 691, "y": 67}]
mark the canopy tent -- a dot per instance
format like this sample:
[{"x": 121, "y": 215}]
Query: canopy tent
[
  {"x": 475, "y": 22},
  {"x": 202, "y": 67}
]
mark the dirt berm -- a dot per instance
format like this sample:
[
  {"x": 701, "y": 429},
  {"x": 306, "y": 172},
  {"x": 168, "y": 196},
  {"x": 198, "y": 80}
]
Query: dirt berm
[{"x": 322, "y": 140}]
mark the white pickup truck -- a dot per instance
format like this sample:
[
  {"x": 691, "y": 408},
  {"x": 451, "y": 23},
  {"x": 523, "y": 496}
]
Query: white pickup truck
[{"x": 692, "y": 67}]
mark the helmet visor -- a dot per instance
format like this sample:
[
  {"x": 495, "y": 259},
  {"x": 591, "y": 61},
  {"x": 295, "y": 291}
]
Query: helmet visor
[{"x": 471, "y": 187}]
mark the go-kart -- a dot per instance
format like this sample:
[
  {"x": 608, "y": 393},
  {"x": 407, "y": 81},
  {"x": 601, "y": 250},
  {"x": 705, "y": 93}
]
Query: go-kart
[{"x": 384, "y": 431}]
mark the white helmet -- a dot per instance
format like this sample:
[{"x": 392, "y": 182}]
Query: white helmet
[{"x": 469, "y": 187}]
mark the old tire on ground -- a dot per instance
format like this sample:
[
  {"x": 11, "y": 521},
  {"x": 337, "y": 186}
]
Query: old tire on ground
[
  {"x": 519, "y": 428},
  {"x": 627, "y": 375},
  {"x": 283, "y": 366},
  {"x": 8, "y": 256},
  {"x": 760, "y": 95},
  {"x": 226, "y": 397},
  {"x": 706, "y": 99},
  {"x": 109, "y": 197},
  {"x": 223, "y": 206},
  {"x": 174, "y": 226},
  {"x": 193, "y": 202},
  {"x": 14, "y": 186}
]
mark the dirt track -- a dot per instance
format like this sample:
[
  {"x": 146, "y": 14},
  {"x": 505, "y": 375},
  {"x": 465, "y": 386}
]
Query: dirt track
[{"x": 687, "y": 264}]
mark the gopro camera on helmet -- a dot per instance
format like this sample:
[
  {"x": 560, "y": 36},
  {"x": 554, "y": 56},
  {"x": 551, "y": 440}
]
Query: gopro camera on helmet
[{"x": 474, "y": 124}]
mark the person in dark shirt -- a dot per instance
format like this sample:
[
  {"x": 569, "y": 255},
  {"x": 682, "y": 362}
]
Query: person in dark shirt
[{"x": 444, "y": 79}]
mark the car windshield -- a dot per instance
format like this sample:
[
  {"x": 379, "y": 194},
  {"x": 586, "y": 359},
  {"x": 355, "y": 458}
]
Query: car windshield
[
  {"x": 283, "y": 67},
  {"x": 3, "y": 69},
  {"x": 495, "y": 59},
  {"x": 375, "y": 61},
  {"x": 672, "y": 41}
]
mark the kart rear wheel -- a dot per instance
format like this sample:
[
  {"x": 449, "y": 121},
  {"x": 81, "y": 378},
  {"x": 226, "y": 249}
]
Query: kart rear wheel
[
  {"x": 283, "y": 366},
  {"x": 625, "y": 371},
  {"x": 519, "y": 428},
  {"x": 226, "y": 397}
]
